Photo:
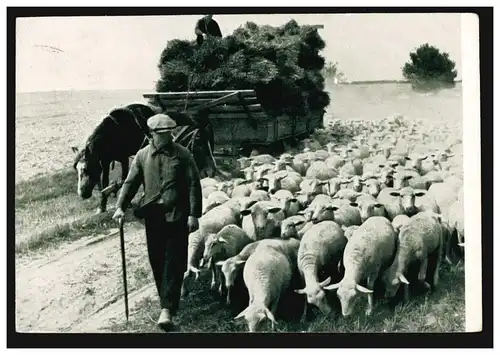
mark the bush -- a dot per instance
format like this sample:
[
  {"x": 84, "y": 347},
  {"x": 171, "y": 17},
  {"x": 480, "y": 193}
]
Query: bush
[
  {"x": 282, "y": 64},
  {"x": 429, "y": 68}
]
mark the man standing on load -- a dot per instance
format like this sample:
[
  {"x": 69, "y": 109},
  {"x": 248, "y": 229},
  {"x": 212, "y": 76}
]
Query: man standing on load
[
  {"x": 208, "y": 26},
  {"x": 172, "y": 191}
]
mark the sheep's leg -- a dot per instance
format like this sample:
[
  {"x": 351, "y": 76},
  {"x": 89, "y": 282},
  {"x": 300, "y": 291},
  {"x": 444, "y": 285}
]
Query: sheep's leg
[
  {"x": 423, "y": 272},
  {"x": 228, "y": 296},
  {"x": 370, "y": 283},
  {"x": 448, "y": 249},
  {"x": 213, "y": 283},
  {"x": 221, "y": 282},
  {"x": 435, "y": 279},
  {"x": 406, "y": 289},
  {"x": 304, "y": 313}
]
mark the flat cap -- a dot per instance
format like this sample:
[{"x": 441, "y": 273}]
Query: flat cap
[{"x": 161, "y": 122}]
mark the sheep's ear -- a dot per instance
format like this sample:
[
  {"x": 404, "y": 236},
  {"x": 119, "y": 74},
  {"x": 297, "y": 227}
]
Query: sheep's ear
[
  {"x": 281, "y": 174},
  {"x": 274, "y": 209},
  {"x": 420, "y": 194},
  {"x": 270, "y": 316},
  {"x": 403, "y": 279},
  {"x": 301, "y": 291},
  {"x": 242, "y": 314},
  {"x": 422, "y": 157},
  {"x": 245, "y": 212},
  {"x": 219, "y": 263},
  {"x": 395, "y": 193},
  {"x": 325, "y": 282},
  {"x": 298, "y": 223},
  {"x": 363, "y": 289},
  {"x": 301, "y": 213},
  {"x": 239, "y": 262},
  {"x": 222, "y": 240},
  {"x": 251, "y": 203},
  {"x": 332, "y": 287}
]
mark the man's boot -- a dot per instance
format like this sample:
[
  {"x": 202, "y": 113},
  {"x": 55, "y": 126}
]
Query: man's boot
[{"x": 165, "y": 320}]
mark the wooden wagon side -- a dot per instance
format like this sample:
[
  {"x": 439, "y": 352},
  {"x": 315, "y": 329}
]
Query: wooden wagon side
[{"x": 238, "y": 120}]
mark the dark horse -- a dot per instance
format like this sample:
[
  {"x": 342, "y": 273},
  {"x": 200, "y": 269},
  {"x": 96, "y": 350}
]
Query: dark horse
[
  {"x": 123, "y": 132},
  {"x": 118, "y": 137}
]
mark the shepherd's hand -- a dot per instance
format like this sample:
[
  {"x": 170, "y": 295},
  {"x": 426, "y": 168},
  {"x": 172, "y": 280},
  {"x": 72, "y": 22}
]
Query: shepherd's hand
[
  {"x": 118, "y": 214},
  {"x": 192, "y": 224}
]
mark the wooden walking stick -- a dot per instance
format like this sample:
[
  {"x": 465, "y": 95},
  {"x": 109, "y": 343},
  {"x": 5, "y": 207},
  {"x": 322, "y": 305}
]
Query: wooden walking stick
[{"x": 124, "y": 265}]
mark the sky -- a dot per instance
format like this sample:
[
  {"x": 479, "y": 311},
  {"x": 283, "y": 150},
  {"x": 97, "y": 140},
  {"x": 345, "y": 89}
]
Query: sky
[{"x": 122, "y": 52}]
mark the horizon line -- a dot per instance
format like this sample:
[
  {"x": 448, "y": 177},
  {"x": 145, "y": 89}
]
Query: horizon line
[{"x": 353, "y": 82}]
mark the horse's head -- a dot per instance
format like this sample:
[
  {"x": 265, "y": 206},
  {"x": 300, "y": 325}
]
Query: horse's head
[{"x": 88, "y": 169}]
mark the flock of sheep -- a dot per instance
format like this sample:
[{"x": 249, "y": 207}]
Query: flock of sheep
[{"x": 362, "y": 201}]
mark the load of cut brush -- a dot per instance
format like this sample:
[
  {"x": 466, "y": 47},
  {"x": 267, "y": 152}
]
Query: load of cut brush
[{"x": 282, "y": 64}]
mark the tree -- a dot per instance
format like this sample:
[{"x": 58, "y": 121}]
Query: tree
[
  {"x": 331, "y": 71},
  {"x": 429, "y": 69}
]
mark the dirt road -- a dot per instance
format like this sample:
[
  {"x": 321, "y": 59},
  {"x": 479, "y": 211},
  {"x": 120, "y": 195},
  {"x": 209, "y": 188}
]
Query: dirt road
[{"x": 77, "y": 283}]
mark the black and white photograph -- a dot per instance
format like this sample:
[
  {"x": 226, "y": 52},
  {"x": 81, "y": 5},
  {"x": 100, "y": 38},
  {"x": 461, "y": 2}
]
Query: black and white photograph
[{"x": 215, "y": 170}]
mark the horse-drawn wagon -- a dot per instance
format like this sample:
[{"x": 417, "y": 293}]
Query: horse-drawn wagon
[{"x": 236, "y": 120}]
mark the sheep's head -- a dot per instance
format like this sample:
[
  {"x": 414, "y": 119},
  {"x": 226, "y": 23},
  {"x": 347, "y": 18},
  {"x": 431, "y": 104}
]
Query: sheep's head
[
  {"x": 392, "y": 282},
  {"x": 366, "y": 208},
  {"x": 401, "y": 179},
  {"x": 348, "y": 293},
  {"x": 275, "y": 180},
  {"x": 255, "y": 317},
  {"x": 263, "y": 216},
  {"x": 317, "y": 296},
  {"x": 372, "y": 185},
  {"x": 408, "y": 195},
  {"x": 214, "y": 247},
  {"x": 248, "y": 172},
  {"x": 290, "y": 227},
  {"x": 416, "y": 161},
  {"x": 230, "y": 268},
  {"x": 323, "y": 213}
]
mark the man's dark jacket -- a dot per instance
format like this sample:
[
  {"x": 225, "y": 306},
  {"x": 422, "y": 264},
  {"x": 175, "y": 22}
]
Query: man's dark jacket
[
  {"x": 210, "y": 27},
  {"x": 156, "y": 167}
]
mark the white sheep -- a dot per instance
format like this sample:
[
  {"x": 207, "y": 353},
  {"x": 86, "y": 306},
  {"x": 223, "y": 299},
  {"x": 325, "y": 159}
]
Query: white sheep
[
  {"x": 291, "y": 225},
  {"x": 228, "y": 242},
  {"x": 368, "y": 252},
  {"x": 320, "y": 250},
  {"x": 399, "y": 221},
  {"x": 420, "y": 238},
  {"x": 231, "y": 267},
  {"x": 414, "y": 201},
  {"x": 283, "y": 180},
  {"x": 287, "y": 201},
  {"x": 444, "y": 194},
  {"x": 321, "y": 171},
  {"x": 266, "y": 218},
  {"x": 267, "y": 275},
  {"x": 348, "y": 232},
  {"x": 391, "y": 199},
  {"x": 368, "y": 207},
  {"x": 211, "y": 222},
  {"x": 207, "y": 181}
]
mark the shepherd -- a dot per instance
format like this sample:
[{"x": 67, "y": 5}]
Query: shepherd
[
  {"x": 208, "y": 26},
  {"x": 172, "y": 190}
]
